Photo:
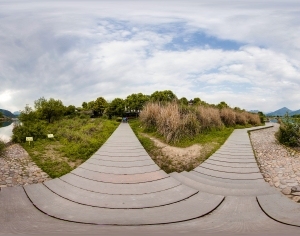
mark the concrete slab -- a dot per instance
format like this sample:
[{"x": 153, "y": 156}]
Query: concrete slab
[
  {"x": 121, "y": 158},
  {"x": 228, "y": 175},
  {"x": 119, "y": 170},
  {"x": 232, "y": 160},
  {"x": 280, "y": 208},
  {"x": 48, "y": 202},
  {"x": 90, "y": 198},
  {"x": 120, "y": 163},
  {"x": 224, "y": 190},
  {"x": 208, "y": 180},
  {"x": 120, "y": 179},
  {"x": 230, "y": 169},
  {"x": 227, "y": 180},
  {"x": 232, "y": 164},
  {"x": 115, "y": 188}
]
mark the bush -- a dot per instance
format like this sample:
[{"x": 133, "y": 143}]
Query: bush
[
  {"x": 289, "y": 132},
  {"x": 119, "y": 119},
  {"x": 2, "y": 146},
  {"x": 241, "y": 118},
  {"x": 253, "y": 119},
  {"x": 228, "y": 116},
  {"x": 209, "y": 118},
  {"x": 149, "y": 115},
  {"x": 36, "y": 130}
]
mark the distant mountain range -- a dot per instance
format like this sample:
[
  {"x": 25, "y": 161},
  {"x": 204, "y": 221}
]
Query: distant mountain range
[
  {"x": 283, "y": 111},
  {"x": 8, "y": 113}
]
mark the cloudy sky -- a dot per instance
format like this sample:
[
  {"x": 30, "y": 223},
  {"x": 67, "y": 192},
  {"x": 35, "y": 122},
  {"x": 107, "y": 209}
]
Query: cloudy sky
[{"x": 246, "y": 53}]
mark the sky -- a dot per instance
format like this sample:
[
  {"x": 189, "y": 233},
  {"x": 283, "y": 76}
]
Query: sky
[{"x": 246, "y": 53}]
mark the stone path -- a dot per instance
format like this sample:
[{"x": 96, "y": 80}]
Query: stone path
[
  {"x": 17, "y": 169},
  {"x": 121, "y": 186},
  {"x": 280, "y": 166}
]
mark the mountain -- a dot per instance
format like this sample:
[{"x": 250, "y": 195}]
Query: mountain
[
  {"x": 280, "y": 112},
  {"x": 295, "y": 113},
  {"x": 7, "y": 113},
  {"x": 16, "y": 113}
]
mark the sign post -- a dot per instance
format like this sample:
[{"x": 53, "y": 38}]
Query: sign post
[{"x": 29, "y": 139}]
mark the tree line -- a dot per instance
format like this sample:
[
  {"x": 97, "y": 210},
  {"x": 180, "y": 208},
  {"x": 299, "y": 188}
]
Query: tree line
[{"x": 52, "y": 109}]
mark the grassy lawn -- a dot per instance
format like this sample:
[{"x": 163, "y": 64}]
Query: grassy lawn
[
  {"x": 210, "y": 141},
  {"x": 75, "y": 140}
]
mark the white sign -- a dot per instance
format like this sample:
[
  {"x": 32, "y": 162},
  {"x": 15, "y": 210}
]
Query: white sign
[
  {"x": 50, "y": 136},
  {"x": 29, "y": 139}
]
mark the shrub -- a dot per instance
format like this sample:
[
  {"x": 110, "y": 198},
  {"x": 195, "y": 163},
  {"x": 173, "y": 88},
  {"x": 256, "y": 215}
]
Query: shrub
[
  {"x": 149, "y": 115},
  {"x": 2, "y": 146},
  {"x": 228, "y": 116},
  {"x": 241, "y": 118},
  {"x": 253, "y": 119},
  {"x": 36, "y": 130},
  {"x": 209, "y": 118},
  {"x": 119, "y": 119},
  {"x": 289, "y": 132}
]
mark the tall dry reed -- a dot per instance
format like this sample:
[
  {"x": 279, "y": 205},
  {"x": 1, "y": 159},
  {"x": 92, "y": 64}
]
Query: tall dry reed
[
  {"x": 149, "y": 115},
  {"x": 228, "y": 116},
  {"x": 208, "y": 117},
  {"x": 241, "y": 118},
  {"x": 253, "y": 119}
]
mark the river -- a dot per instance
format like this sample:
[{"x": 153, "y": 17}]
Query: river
[{"x": 6, "y": 130}]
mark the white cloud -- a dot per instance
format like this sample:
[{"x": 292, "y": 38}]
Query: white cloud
[{"x": 76, "y": 51}]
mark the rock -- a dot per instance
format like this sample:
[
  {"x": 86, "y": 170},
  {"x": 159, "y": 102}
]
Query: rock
[
  {"x": 295, "y": 188},
  {"x": 275, "y": 179},
  {"x": 296, "y": 193},
  {"x": 286, "y": 191},
  {"x": 292, "y": 184},
  {"x": 296, "y": 198},
  {"x": 283, "y": 182},
  {"x": 277, "y": 184}
]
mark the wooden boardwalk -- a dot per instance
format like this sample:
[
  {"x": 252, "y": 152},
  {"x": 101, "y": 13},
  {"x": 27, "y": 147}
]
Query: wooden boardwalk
[{"x": 121, "y": 190}]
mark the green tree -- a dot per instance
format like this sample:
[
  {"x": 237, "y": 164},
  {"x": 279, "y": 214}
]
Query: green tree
[
  {"x": 163, "y": 96},
  {"x": 197, "y": 101},
  {"x": 99, "y": 106},
  {"x": 116, "y": 107},
  {"x": 135, "y": 102},
  {"x": 222, "y": 105},
  {"x": 90, "y": 105},
  {"x": 28, "y": 115},
  {"x": 49, "y": 109},
  {"x": 84, "y": 105},
  {"x": 183, "y": 101},
  {"x": 1, "y": 115},
  {"x": 70, "y": 110}
]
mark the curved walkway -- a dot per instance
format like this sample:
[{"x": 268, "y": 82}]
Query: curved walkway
[{"x": 121, "y": 186}]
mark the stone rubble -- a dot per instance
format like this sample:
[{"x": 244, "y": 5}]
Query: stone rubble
[
  {"x": 17, "y": 168},
  {"x": 279, "y": 165}
]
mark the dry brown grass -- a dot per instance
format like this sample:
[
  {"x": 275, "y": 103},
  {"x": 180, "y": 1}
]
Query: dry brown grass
[
  {"x": 209, "y": 117},
  {"x": 228, "y": 116},
  {"x": 175, "y": 122},
  {"x": 149, "y": 115},
  {"x": 253, "y": 119},
  {"x": 241, "y": 118}
]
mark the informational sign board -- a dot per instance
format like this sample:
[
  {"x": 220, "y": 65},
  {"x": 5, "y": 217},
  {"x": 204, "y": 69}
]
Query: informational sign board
[
  {"x": 50, "y": 136},
  {"x": 29, "y": 139}
]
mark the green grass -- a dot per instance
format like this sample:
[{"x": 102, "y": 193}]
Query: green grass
[{"x": 75, "y": 140}]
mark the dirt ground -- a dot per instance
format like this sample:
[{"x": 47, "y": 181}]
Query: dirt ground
[{"x": 172, "y": 159}]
